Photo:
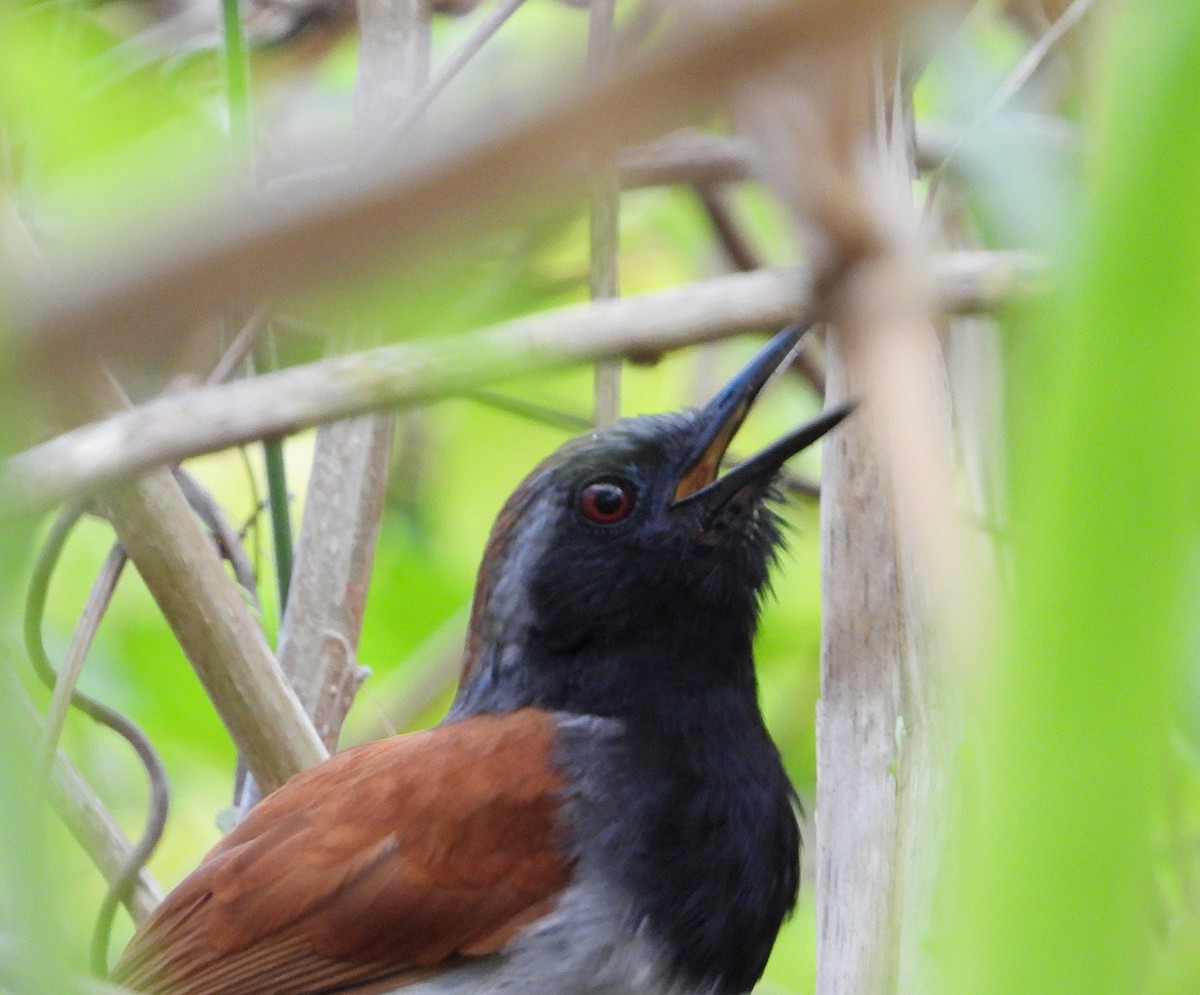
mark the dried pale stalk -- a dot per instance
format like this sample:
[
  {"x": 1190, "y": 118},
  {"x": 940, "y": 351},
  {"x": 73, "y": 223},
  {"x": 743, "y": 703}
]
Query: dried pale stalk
[
  {"x": 604, "y": 217},
  {"x": 319, "y": 637},
  {"x": 699, "y": 158},
  {"x": 211, "y": 418},
  {"x": 116, "y": 300},
  {"x": 881, "y": 778},
  {"x": 417, "y": 103},
  {"x": 212, "y": 620},
  {"x": 214, "y": 625},
  {"x": 892, "y": 538}
]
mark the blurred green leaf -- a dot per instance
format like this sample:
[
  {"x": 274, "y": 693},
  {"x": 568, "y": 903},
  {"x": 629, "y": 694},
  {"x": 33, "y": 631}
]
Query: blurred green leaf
[{"x": 1106, "y": 466}]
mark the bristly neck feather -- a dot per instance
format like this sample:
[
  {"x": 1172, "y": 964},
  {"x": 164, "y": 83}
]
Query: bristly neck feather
[{"x": 641, "y": 674}]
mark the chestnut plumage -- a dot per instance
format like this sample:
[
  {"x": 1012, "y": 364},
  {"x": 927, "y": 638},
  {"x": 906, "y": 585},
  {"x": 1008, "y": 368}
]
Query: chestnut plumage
[{"x": 601, "y": 812}]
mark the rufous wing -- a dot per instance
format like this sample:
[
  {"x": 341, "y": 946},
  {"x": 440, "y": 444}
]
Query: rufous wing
[{"x": 385, "y": 864}]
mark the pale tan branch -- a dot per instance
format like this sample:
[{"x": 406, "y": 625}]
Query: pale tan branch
[
  {"x": 881, "y": 798},
  {"x": 213, "y": 622},
  {"x": 318, "y": 639},
  {"x": 319, "y": 635},
  {"x": 214, "y": 625},
  {"x": 492, "y": 22},
  {"x": 699, "y": 158},
  {"x": 604, "y": 216},
  {"x": 118, "y": 299},
  {"x": 215, "y": 417},
  {"x": 694, "y": 158}
]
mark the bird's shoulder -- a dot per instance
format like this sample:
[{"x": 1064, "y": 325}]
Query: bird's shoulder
[{"x": 390, "y": 861}]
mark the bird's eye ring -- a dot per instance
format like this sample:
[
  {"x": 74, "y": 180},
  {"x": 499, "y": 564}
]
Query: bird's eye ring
[{"x": 606, "y": 502}]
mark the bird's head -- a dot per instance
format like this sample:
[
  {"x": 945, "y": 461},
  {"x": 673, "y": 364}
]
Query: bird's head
[{"x": 626, "y": 547}]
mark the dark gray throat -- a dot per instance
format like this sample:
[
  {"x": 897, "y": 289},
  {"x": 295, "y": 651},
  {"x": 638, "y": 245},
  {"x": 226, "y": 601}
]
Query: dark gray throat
[{"x": 693, "y": 819}]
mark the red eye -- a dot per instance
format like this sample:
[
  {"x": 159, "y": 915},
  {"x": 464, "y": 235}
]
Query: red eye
[{"x": 606, "y": 502}]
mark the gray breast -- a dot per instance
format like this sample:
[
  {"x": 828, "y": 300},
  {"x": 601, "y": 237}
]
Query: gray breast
[{"x": 581, "y": 948}]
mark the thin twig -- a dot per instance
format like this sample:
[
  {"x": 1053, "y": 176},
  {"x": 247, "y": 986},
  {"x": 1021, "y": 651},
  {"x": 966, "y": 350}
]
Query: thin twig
[
  {"x": 208, "y": 419},
  {"x": 453, "y": 65},
  {"x": 1032, "y": 60},
  {"x": 742, "y": 256},
  {"x": 530, "y": 411},
  {"x": 229, "y": 538},
  {"x": 604, "y": 216},
  {"x": 241, "y": 346},
  {"x": 228, "y": 541},
  {"x": 81, "y": 640},
  {"x": 91, "y": 824},
  {"x": 1009, "y": 88},
  {"x": 156, "y": 818}
]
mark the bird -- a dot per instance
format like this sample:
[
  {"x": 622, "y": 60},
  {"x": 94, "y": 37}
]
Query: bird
[{"x": 602, "y": 810}]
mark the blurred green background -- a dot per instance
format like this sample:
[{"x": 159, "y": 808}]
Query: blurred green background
[{"x": 1075, "y": 876}]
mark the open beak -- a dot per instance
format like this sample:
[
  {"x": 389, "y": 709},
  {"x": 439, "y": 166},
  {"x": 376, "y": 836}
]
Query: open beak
[{"x": 723, "y": 416}]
